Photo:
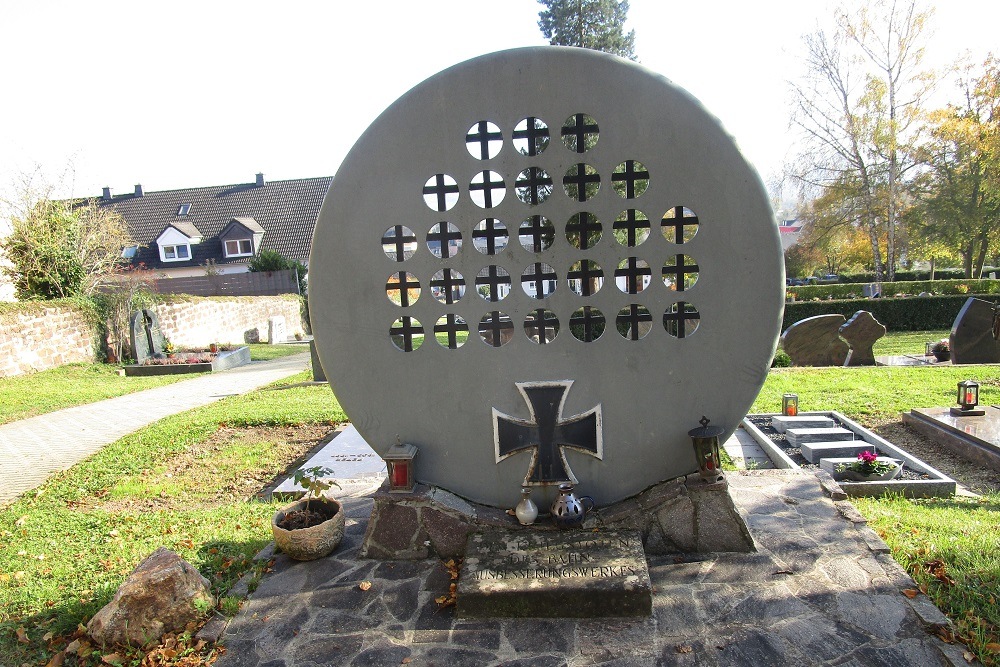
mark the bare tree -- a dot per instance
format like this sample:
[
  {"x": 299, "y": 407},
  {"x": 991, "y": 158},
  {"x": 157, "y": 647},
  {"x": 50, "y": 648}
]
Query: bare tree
[{"x": 858, "y": 107}]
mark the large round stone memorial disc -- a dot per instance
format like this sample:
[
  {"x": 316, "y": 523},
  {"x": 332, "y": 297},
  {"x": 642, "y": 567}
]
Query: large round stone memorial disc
[{"x": 545, "y": 264}]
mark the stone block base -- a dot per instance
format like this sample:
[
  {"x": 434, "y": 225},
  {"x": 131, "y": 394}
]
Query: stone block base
[{"x": 683, "y": 515}]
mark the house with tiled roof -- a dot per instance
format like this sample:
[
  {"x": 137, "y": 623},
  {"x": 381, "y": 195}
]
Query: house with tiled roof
[{"x": 182, "y": 232}]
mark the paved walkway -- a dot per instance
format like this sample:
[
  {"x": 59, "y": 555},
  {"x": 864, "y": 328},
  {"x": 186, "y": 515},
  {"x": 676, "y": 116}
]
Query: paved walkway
[
  {"x": 32, "y": 449},
  {"x": 822, "y": 589}
]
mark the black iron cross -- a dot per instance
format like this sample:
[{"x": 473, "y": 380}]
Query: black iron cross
[
  {"x": 679, "y": 221},
  {"x": 450, "y": 283},
  {"x": 580, "y": 179},
  {"x": 493, "y": 279},
  {"x": 493, "y": 327},
  {"x": 492, "y": 230},
  {"x": 546, "y": 434},
  {"x": 440, "y": 190},
  {"x": 400, "y": 237},
  {"x": 537, "y": 274},
  {"x": 483, "y": 137},
  {"x": 580, "y": 130},
  {"x": 484, "y": 181},
  {"x": 537, "y": 230},
  {"x": 533, "y": 186},
  {"x": 441, "y": 236},
  {"x": 634, "y": 222},
  {"x": 635, "y": 316},
  {"x": 592, "y": 321},
  {"x": 678, "y": 318},
  {"x": 586, "y": 226},
  {"x": 630, "y": 177},
  {"x": 536, "y": 133},
  {"x": 633, "y": 274},
  {"x": 538, "y": 322},
  {"x": 407, "y": 328},
  {"x": 588, "y": 273},
  {"x": 402, "y": 284},
  {"x": 452, "y": 326},
  {"x": 675, "y": 272}
]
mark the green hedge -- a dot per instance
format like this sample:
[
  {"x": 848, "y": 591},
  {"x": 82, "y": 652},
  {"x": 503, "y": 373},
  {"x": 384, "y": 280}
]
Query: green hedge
[
  {"x": 901, "y": 276},
  {"x": 909, "y": 288},
  {"x": 902, "y": 314}
]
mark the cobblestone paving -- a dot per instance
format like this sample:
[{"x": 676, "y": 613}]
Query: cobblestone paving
[{"x": 821, "y": 590}]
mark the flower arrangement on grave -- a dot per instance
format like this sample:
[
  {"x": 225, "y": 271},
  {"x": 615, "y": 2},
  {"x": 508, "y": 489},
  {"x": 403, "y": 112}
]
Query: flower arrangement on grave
[
  {"x": 867, "y": 465},
  {"x": 941, "y": 346},
  {"x": 313, "y": 526},
  {"x": 168, "y": 347},
  {"x": 314, "y": 481}
]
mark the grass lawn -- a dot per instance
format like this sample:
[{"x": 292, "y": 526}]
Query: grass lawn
[
  {"x": 188, "y": 482},
  {"x": 25, "y": 396}
]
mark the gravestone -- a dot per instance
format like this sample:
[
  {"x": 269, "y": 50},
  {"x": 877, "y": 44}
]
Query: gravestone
[
  {"x": 861, "y": 332},
  {"x": 276, "y": 329},
  {"x": 975, "y": 336},
  {"x": 815, "y": 341},
  {"x": 145, "y": 336},
  {"x": 534, "y": 283}
]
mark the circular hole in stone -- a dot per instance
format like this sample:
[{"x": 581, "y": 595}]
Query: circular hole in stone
[
  {"x": 581, "y": 182},
  {"x": 441, "y": 192},
  {"x": 630, "y": 179},
  {"x": 634, "y": 322},
  {"x": 579, "y": 133},
  {"x": 679, "y": 224},
  {"x": 585, "y": 278},
  {"x": 406, "y": 334},
  {"x": 447, "y": 286},
  {"x": 487, "y": 189},
  {"x": 531, "y": 136},
  {"x": 451, "y": 331},
  {"x": 587, "y": 324},
  {"x": 536, "y": 233},
  {"x": 680, "y": 272},
  {"x": 493, "y": 283},
  {"x": 402, "y": 288},
  {"x": 633, "y": 275},
  {"x": 681, "y": 319},
  {"x": 583, "y": 231},
  {"x": 444, "y": 240},
  {"x": 496, "y": 328},
  {"x": 538, "y": 280},
  {"x": 541, "y": 326},
  {"x": 484, "y": 140},
  {"x": 533, "y": 186},
  {"x": 399, "y": 243},
  {"x": 490, "y": 236},
  {"x": 631, "y": 228}
]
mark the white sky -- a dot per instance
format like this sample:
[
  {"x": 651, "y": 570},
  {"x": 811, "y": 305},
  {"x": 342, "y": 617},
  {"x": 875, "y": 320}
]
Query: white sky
[{"x": 185, "y": 94}]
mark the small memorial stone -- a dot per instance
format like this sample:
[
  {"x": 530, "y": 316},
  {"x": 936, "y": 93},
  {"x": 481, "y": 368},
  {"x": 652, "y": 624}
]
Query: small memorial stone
[
  {"x": 145, "y": 337},
  {"x": 576, "y": 574},
  {"x": 974, "y": 336},
  {"x": 861, "y": 332},
  {"x": 276, "y": 330},
  {"x": 815, "y": 341}
]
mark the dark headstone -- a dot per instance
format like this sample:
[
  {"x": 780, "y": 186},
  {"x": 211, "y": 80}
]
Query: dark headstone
[
  {"x": 861, "y": 332},
  {"x": 974, "y": 334},
  {"x": 815, "y": 341},
  {"x": 564, "y": 574},
  {"x": 145, "y": 337},
  {"x": 317, "y": 366}
]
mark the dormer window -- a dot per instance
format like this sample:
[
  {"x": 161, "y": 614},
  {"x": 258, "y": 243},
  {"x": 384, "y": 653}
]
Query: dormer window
[
  {"x": 175, "y": 253},
  {"x": 183, "y": 209},
  {"x": 175, "y": 241},
  {"x": 239, "y": 247}
]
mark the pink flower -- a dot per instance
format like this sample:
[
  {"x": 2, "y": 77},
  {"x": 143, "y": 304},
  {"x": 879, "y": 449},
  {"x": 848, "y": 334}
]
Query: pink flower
[{"x": 867, "y": 457}]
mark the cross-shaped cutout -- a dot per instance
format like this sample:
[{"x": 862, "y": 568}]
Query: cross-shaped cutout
[
  {"x": 635, "y": 272},
  {"x": 583, "y": 230},
  {"x": 406, "y": 333},
  {"x": 541, "y": 326},
  {"x": 547, "y": 434},
  {"x": 487, "y": 189},
  {"x": 539, "y": 280},
  {"x": 399, "y": 243},
  {"x": 490, "y": 236},
  {"x": 681, "y": 319},
  {"x": 680, "y": 273},
  {"x": 496, "y": 328},
  {"x": 444, "y": 240},
  {"x": 587, "y": 324},
  {"x": 451, "y": 325},
  {"x": 536, "y": 233},
  {"x": 484, "y": 140},
  {"x": 496, "y": 280},
  {"x": 533, "y": 186},
  {"x": 634, "y": 321},
  {"x": 679, "y": 225},
  {"x": 400, "y": 287},
  {"x": 633, "y": 225},
  {"x": 447, "y": 286},
  {"x": 579, "y": 132},
  {"x": 581, "y": 182},
  {"x": 531, "y": 136},
  {"x": 633, "y": 176},
  {"x": 441, "y": 192},
  {"x": 585, "y": 277}
]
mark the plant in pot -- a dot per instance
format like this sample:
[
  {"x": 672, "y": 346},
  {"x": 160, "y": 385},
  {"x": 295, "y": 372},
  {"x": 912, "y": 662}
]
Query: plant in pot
[
  {"x": 941, "y": 350},
  {"x": 313, "y": 526},
  {"x": 869, "y": 467}
]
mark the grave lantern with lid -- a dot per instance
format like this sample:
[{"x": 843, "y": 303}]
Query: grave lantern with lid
[
  {"x": 968, "y": 399},
  {"x": 790, "y": 405},
  {"x": 706, "y": 450},
  {"x": 399, "y": 464}
]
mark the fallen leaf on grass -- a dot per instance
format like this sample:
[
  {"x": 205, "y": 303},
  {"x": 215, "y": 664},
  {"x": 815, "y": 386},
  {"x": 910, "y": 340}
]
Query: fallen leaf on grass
[
  {"x": 944, "y": 634},
  {"x": 992, "y": 646},
  {"x": 22, "y": 636},
  {"x": 969, "y": 657},
  {"x": 683, "y": 648},
  {"x": 365, "y": 585},
  {"x": 23, "y": 520},
  {"x": 910, "y": 592},
  {"x": 112, "y": 659},
  {"x": 57, "y": 659}
]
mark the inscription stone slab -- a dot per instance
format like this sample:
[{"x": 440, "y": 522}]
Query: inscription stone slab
[
  {"x": 573, "y": 574},
  {"x": 815, "y": 341},
  {"x": 861, "y": 332},
  {"x": 145, "y": 337},
  {"x": 975, "y": 338}
]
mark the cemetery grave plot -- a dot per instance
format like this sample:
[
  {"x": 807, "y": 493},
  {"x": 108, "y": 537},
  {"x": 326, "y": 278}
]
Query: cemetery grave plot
[
  {"x": 916, "y": 479},
  {"x": 192, "y": 362}
]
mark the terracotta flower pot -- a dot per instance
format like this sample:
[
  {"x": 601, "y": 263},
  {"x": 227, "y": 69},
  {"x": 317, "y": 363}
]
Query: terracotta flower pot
[{"x": 313, "y": 542}]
